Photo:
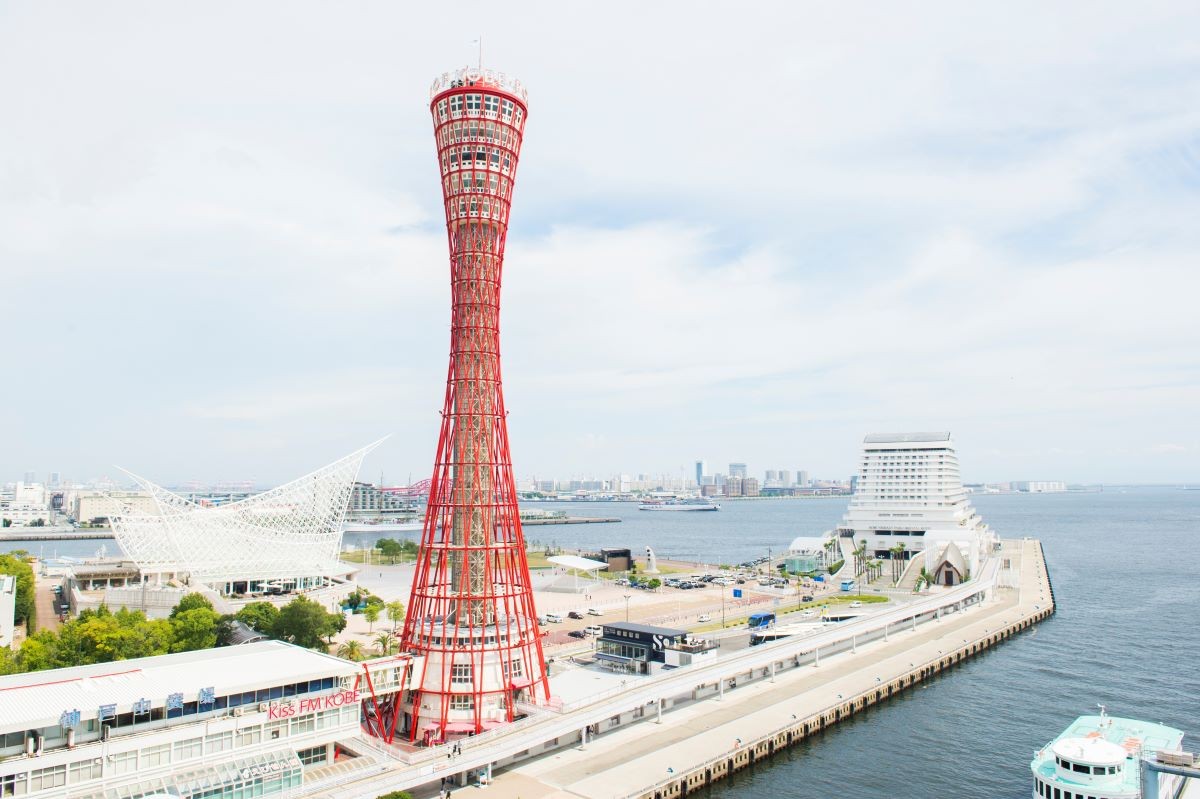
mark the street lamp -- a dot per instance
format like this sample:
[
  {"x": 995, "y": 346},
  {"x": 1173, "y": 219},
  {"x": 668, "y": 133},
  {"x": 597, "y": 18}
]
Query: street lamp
[{"x": 626, "y": 606}]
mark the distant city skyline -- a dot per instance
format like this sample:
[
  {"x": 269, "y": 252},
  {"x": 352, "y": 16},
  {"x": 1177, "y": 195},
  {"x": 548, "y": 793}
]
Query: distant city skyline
[{"x": 960, "y": 219}]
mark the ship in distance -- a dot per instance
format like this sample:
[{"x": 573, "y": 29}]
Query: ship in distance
[{"x": 680, "y": 503}]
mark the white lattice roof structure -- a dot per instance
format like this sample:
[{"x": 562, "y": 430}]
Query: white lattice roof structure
[{"x": 294, "y": 530}]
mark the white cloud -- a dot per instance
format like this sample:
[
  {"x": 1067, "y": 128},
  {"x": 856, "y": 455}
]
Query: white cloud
[{"x": 748, "y": 237}]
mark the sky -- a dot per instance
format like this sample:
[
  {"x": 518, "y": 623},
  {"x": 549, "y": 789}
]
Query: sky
[{"x": 747, "y": 235}]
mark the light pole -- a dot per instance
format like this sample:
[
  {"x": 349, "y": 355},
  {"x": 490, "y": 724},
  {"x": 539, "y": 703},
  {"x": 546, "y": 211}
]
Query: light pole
[
  {"x": 626, "y": 606},
  {"x": 722, "y": 607}
]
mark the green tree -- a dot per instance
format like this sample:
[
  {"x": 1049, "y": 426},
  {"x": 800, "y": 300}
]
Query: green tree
[
  {"x": 371, "y": 614},
  {"x": 191, "y": 602},
  {"x": 395, "y": 612},
  {"x": 13, "y": 563},
  {"x": 5, "y": 522},
  {"x": 390, "y": 549},
  {"x": 305, "y": 623},
  {"x": 194, "y": 629},
  {"x": 259, "y": 615},
  {"x": 653, "y": 583},
  {"x": 351, "y": 650},
  {"x": 395, "y": 795}
]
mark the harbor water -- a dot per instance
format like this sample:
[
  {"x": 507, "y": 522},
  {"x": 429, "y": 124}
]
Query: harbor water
[{"x": 1125, "y": 575}]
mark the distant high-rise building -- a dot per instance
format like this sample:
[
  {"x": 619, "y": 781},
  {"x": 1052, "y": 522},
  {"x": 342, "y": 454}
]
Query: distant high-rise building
[
  {"x": 802, "y": 479},
  {"x": 30, "y": 477},
  {"x": 737, "y": 470},
  {"x": 785, "y": 478},
  {"x": 733, "y": 486},
  {"x": 701, "y": 470},
  {"x": 55, "y": 479},
  {"x": 750, "y": 487},
  {"x": 772, "y": 476}
]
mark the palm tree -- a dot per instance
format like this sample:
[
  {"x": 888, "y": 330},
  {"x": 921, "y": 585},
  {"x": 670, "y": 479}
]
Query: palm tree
[
  {"x": 860, "y": 555},
  {"x": 897, "y": 555},
  {"x": 395, "y": 612},
  {"x": 386, "y": 644},
  {"x": 351, "y": 650}
]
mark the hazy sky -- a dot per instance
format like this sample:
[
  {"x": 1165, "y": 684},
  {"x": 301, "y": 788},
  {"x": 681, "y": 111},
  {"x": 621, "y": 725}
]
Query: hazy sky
[{"x": 750, "y": 235}]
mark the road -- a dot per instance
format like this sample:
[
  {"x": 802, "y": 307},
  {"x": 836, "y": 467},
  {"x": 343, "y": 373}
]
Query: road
[{"x": 43, "y": 594}]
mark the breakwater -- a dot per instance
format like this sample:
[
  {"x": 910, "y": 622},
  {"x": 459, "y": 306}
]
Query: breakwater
[{"x": 764, "y": 745}]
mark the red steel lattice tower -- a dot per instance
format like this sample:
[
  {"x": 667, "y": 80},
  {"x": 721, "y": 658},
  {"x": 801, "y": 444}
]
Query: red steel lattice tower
[{"x": 471, "y": 612}]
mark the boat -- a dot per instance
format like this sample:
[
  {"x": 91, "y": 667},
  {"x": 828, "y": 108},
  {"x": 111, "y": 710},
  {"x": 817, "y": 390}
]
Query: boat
[
  {"x": 688, "y": 503},
  {"x": 1106, "y": 757}
]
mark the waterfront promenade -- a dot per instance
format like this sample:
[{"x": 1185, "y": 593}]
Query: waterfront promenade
[{"x": 719, "y": 717}]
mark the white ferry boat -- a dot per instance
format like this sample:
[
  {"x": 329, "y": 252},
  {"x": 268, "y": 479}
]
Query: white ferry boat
[
  {"x": 690, "y": 503},
  {"x": 1105, "y": 757}
]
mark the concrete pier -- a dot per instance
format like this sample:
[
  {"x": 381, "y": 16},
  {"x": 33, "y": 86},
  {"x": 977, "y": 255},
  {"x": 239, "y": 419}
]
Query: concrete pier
[{"x": 721, "y": 719}]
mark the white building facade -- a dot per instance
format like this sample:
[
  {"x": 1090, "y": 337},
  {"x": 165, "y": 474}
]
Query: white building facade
[
  {"x": 242, "y": 721},
  {"x": 910, "y": 495},
  {"x": 8, "y": 609}
]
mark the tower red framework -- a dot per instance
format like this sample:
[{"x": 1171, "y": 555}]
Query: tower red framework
[{"x": 471, "y": 612}]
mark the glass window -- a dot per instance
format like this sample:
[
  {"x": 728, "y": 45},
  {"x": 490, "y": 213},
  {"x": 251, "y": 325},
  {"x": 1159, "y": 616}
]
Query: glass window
[
  {"x": 13, "y": 785},
  {"x": 249, "y": 736},
  {"x": 306, "y": 723},
  {"x": 84, "y": 770},
  {"x": 276, "y": 729},
  {"x": 189, "y": 748},
  {"x": 156, "y": 756},
  {"x": 462, "y": 701},
  {"x": 461, "y": 672},
  {"x": 221, "y": 742},
  {"x": 473, "y": 102},
  {"x": 42, "y": 778},
  {"x": 122, "y": 762}
]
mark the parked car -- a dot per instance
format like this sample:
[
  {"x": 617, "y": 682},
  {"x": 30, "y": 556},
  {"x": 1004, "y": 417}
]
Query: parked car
[
  {"x": 703, "y": 617},
  {"x": 574, "y": 614},
  {"x": 577, "y": 634},
  {"x": 595, "y": 612},
  {"x": 806, "y": 598},
  {"x": 594, "y": 630},
  {"x": 856, "y": 604},
  {"x": 554, "y": 618}
]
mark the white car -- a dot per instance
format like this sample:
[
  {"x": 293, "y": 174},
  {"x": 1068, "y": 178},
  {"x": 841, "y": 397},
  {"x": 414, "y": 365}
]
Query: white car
[
  {"x": 703, "y": 617},
  {"x": 856, "y": 604},
  {"x": 809, "y": 614},
  {"x": 554, "y": 618},
  {"x": 595, "y": 612},
  {"x": 593, "y": 630}
]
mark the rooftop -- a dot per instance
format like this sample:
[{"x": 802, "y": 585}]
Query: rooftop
[
  {"x": 37, "y": 699},
  {"x": 905, "y": 438},
  {"x": 1096, "y": 740},
  {"x": 644, "y": 629}
]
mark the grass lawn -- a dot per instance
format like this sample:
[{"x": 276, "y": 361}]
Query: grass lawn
[{"x": 743, "y": 617}]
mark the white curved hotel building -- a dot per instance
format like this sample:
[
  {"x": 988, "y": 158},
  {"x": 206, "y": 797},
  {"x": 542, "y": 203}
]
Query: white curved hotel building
[
  {"x": 284, "y": 539},
  {"x": 910, "y": 495}
]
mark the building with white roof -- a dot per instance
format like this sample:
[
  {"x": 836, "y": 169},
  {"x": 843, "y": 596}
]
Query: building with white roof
[
  {"x": 910, "y": 500},
  {"x": 250, "y": 720}
]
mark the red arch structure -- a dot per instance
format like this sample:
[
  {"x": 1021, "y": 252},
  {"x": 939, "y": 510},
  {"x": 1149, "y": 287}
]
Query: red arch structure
[{"x": 471, "y": 612}]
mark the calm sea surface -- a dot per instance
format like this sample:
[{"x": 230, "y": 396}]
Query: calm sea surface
[{"x": 1126, "y": 575}]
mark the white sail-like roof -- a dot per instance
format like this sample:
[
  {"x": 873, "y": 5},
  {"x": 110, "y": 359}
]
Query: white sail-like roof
[{"x": 292, "y": 530}]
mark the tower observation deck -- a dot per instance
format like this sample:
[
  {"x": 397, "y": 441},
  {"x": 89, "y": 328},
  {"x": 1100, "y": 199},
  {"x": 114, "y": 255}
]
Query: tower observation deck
[{"x": 471, "y": 610}]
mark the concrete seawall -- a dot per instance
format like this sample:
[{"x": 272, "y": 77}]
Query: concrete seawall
[{"x": 764, "y": 745}]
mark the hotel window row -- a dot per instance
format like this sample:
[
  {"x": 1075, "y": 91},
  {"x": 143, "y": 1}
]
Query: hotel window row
[
  {"x": 488, "y": 105},
  {"x": 489, "y": 132},
  {"x": 478, "y": 181},
  {"x": 477, "y": 157}
]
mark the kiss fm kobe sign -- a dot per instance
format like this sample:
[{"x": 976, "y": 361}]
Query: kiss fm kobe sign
[{"x": 298, "y": 706}]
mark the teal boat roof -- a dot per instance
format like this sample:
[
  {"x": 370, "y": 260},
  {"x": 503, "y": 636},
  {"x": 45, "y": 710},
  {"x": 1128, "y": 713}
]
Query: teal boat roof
[{"x": 1132, "y": 735}]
